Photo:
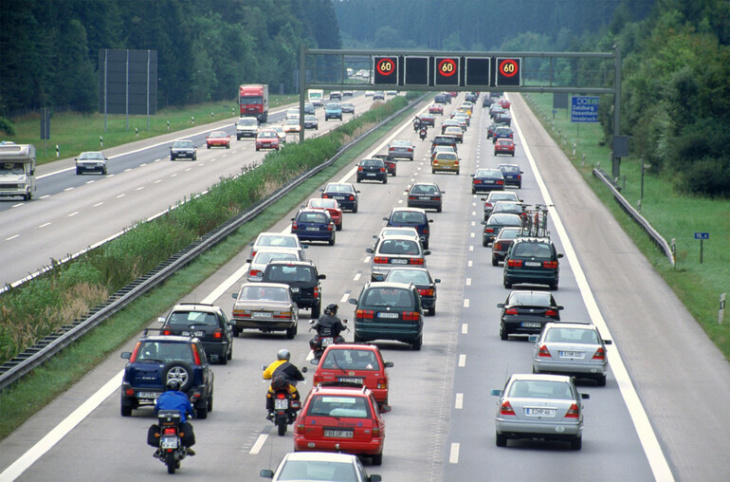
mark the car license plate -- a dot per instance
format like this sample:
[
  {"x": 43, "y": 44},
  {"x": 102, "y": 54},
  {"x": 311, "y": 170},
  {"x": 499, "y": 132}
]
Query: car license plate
[
  {"x": 341, "y": 198},
  {"x": 571, "y": 354},
  {"x": 531, "y": 324},
  {"x": 281, "y": 404},
  {"x": 398, "y": 261},
  {"x": 371, "y": 174},
  {"x": 540, "y": 412},
  {"x": 169, "y": 443},
  {"x": 388, "y": 315},
  {"x": 533, "y": 264},
  {"x": 261, "y": 314},
  {"x": 193, "y": 333},
  {"x": 425, "y": 198},
  {"x": 148, "y": 395},
  {"x": 357, "y": 381},
  {"x": 338, "y": 433},
  {"x": 327, "y": 341},
  {"x": 488, "y": 181},
  {"x": 312, "y": 228}
]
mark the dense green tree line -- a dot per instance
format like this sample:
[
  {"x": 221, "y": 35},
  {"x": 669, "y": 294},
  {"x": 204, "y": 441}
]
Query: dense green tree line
[{"x": 206, "y": 48}]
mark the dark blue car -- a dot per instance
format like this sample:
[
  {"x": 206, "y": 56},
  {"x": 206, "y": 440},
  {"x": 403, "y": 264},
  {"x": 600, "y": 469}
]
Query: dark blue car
[
  {"x": 414, "y": 218},
  {"x": 512, "y": 174},
  {"x": 344, "y": 192},
  {"x": 314, "y": 225}
]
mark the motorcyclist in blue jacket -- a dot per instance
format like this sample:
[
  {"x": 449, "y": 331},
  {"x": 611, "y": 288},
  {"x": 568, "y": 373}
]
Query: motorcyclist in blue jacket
[{"x": 174, "y": 399}]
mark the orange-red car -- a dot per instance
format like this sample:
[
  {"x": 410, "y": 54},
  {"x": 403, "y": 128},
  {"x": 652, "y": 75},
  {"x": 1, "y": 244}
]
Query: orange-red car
[
  {"x": 218, "y": 139},
  {"x": 331, "y": 206},
  {"x": 341, "y": 420},
  {"x": 358, "y": 365}
]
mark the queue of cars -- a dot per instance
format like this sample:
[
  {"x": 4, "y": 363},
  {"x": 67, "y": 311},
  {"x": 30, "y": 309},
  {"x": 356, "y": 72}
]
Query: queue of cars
[{"x": 344, "y": 412}]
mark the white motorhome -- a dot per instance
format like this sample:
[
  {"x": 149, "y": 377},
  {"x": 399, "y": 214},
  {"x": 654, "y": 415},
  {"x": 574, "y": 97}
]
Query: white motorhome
[
  {"x": 316, "y": 97},
  {"x": 17, "y": 170}
]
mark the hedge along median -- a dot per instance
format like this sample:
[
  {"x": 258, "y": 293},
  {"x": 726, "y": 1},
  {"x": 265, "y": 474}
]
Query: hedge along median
[{"x": 39, "y": 307}]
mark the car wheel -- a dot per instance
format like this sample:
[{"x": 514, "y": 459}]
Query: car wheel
[
  {"x": 425, "y": 245},
  {"x": 485, "y": 243},
  {"x": 494, "y": 261},
  {"x": 601, "y": 381},
  {"x": 503, "y": 334},
  {"x": 457, "y": 173},
  {"x": 519, "y": 186},
  {"x": 290, "y": 332},
  {"x": 432, "y": 311},
  {"x": 104, "y": 172},
  {"x": 438, "y": 209},
  {"x": 230, "y": 353},
  {"x": 228, "y": 146},
  {"x": 378, "y": 459},
  {"x": 210, "y": 403},
  {"x": 126, "y": 411},
  {"x": 316, "y": 310},
  {"x": 339, "y": 227},
  {"x": 181, "y": 371},
  {"x": 358, "y": 180},
  {"x": 202, "y": 413},
  {"x": 554, "y": 286},
  {"x": 433, "y": 171},
  {"x": 385, "y": 179},
  {"x": 507, "y": 283},
  {"x": 78, "y": 172},
  {"x": 576, "y": 443},
  {"x": 473, "y": 191},
  {"x": 223, "y": 360},
  {"x": 354, "y": 210},
  {"x": 332, "y": 240},
  {"x": 501, "y": 440},
  {"x": 235, "y": 331},
  {"x": 195, "y": 158},
  {"x": 418, "y": 343},
  {"x": 257, "y": 149}
]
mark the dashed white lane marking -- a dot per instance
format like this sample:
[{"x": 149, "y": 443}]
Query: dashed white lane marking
[
  {"x": 459, "y": 403},
  {"x": 462, "y": 360},
  {"x": 44, "y": 225},
  {"x": 259, "y": 443},
  {"x": 454, "y": 454},
  {"x": 466, "y": 303},
  {"x": 468, "y": 281},
  {"x": 465, "y": 328}
]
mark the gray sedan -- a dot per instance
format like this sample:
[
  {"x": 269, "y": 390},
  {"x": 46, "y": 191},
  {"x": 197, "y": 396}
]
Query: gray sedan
[
  {"x": 571, "y": 349},
  {"x": 546, "y": 407},
  {"x": 266, "y": 307}
]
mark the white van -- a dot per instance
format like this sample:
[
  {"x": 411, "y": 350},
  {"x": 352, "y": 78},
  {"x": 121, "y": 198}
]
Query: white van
[
  {"x": 246, "y": 127},
  {"x": 17, "y": 170}
]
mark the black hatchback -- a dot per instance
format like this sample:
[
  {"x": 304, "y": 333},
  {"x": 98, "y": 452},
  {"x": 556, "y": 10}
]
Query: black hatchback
[
  {"x": 204, "y": 321},
  {"x": 372, "y": 170},
  {"x": 526, "y": 312},
  {"x": 487, "y": 180},
  {"x": 414, "y": 218},
  {"x": 532, "y": 261},
  {"x": 304, "y": 280},
  {"x": 345, "y": 193}
]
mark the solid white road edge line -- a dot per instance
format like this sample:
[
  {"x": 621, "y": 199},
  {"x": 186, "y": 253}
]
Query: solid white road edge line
[{"x": 647, "y": 437}]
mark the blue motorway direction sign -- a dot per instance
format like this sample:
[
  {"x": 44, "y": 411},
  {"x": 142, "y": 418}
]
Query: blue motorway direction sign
[{"x": 584, "y": 109}]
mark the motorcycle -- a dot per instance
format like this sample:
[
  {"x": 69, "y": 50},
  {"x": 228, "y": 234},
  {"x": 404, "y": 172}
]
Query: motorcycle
[
  {"x": 416, "y": 125},
  {"x": 285, "y": 407},
  {"x": 171, "y": 450},
  {"x": 323, "y": 339},
  {"x": 423, "y": 133}
]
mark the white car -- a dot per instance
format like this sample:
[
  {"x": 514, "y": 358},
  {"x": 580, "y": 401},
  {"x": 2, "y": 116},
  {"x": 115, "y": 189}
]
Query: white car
[{"x": 281, "y": 133}]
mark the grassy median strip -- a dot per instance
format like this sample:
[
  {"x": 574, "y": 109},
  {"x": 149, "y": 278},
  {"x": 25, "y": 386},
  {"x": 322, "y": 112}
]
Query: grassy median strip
[
  {"x": 29, "y": 395},
  {"x": 675, "y": 215}
]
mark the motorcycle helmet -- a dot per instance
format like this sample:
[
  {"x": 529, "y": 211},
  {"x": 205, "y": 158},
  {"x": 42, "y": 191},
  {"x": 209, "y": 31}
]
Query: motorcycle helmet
[
  {"x": 173, "y": 384},
  {"x": 331, "y": 309},
  {"x": 283, "y": 354}
]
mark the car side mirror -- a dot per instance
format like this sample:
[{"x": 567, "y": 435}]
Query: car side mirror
[
  {"x": 305, "y": 369},
  {"x": 160, "y": 319},
  {"x": 126, "y": 355},
  {"x": 352, "y": 301},
  {"x": 322, "y": 276},
  {"x": 267, "y": 473},
  {"x": 234, "y": 296},
  {"x": 496, "y": 393},
  {"x": 585, "y": 396},
  {"x": 389, "y": 364},
  {"x": 369, "y": 250},
  {"x": 385, "y": 409},
  {"x": 427, "y": 252},
  {"x": 560, "y": 255},
  {"x": 500, "y": 305},
  {"x": 385, "y": 219},
  {"x": 430, "y": 220},
  {"x": 607, "y": 342},
  {"x": 249, "y": 260},
  {"x": 484, "y": 223},
  {"x": 314, "y": 361},
  {"x": 437, "y": 280},
  {"x": 559, "y": 307},
  {"x": 533, "y": 338}
]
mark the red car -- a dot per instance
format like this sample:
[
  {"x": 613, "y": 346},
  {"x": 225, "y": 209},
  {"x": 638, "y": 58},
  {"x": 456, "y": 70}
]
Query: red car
[
  {"x": 355, "y": 365},
  {"x": 390, "y": 164},
  {"x": 436, "y": 109},
  {"x": 341, "y": 420},
  {"x": 504, "y": 146},
  {"x": 218, "y": 139},
  {"x": 505, "y": 103},
  {"x": 267, "y": 139},
  {"x": 331, "y": 206}
]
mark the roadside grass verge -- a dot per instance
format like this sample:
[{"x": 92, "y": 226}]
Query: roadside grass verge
[
  {"x": 676, "y": 216},
  {"x": 29, "y": 395},
  {"x": 75, "y": 133}
]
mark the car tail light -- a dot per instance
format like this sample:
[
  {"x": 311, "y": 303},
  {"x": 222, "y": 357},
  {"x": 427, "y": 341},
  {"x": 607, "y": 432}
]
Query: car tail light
[
  {"x": 382, "y": 169},
  {"x": 241, "y": 314},
  {"x": 129, "y": 392},
  {"x": 573, "y": 411},
  {"x": 425, "y": 230},
  {"x": 500, "y": 182},
  {"x": 253, "y": 254},
  {"x": 294, "y": 225},
  {"x": 380, "y": 260},
  {"x": 437, "y": 198},
  {"x": 425, "y": 292},
  {"x": 412, "y": 198},
  {"x": 316, "y": 291},
  {"x": 600, "y": 354},
  {"x": 255, "y": 272},
  {"x": 550, "y": 264},
  {"x": 506, "y": 408},
  {"x": 283, "y": 315},
  {"x": 218, "y": 335},
  {"x": 325, "y": 196},
  {"x": 351, "y": 198},
  {"x": 435, "y": 161},
  {"x": 511, "y": 311},
  {"x": 487, "y": 204},
  {"x": 519, "y": 176},
  {"x": 317, "y": 379},
  {"x": 410, "y": 149},
  {"x": 551, "y": 313},
  {"x": 489, "y": 230},
  {"x": 367, "y": 314},
  {"x": 418, "y": 261},
  {"x": 514, "y": 263},
  {"x": 544, "y": 352},
  {"x": 166, "y": 332},
  {"x": 299, "y": 428},
  {"x": 496, "y": 246},
  {"x": 410, "y": 316},
  {"x": 196, "y": 355},
  {"x": 382, "y": 383},
  {"x": 330, "y": 226},
  {"x": 456, "y": 163},
  {"x": 359, "y": 168}
]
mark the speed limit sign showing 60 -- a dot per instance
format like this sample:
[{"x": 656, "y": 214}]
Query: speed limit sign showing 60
[
  {"x": 386, "y": 70},
  {"x": 509, "y": 71},
  {"x": 447, "y": 70}
]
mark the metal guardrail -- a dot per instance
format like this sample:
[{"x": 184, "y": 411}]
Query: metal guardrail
[
  {"x": 667, "y": 248},
  {"x": 19, "y": 366}
]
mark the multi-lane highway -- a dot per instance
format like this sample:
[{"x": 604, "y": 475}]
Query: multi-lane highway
[{"x": 661, "y": 416}]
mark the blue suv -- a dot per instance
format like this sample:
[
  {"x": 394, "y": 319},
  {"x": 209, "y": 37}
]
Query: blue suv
[
  {"x": 156, "y": 359},
  {"x": 333, "y": 110},
  {"x": 414, "y": 218}
]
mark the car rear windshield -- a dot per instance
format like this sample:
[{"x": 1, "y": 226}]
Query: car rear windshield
[
  {"x": 312, "y": 218},
  {"x": 165, "y": 351},
  {"x": 530, "y": 298},
  {"x": 572, "y": 335},
  {"x": 408, "y": 217},
  {"x": 265, "y": 257},
  {"x": 289, "y": 274},
  {"x": 265, "y": 293},
  {"x": 415, "y": 276},
  {"x": 351, "y": 360},
  {"x": 187, "y": 318},
  {"x": 278, "y": 241},
  {"x": 372, "y": 162},
  {"x": 399, "y": 246},
  {"x": 532, "y": 250},
  {"x": 339, "y": 406},
  {"x": 389, "y": 297},
  {"x": 540, "y": 389}
]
